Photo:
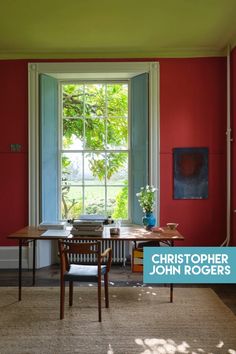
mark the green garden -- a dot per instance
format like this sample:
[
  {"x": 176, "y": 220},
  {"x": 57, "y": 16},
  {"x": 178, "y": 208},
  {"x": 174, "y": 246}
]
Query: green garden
[{"x": 95, "y": 149}]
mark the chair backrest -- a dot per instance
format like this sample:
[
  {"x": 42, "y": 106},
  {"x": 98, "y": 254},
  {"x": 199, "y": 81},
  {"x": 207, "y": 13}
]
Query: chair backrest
[{"x": 69, "y": 248}]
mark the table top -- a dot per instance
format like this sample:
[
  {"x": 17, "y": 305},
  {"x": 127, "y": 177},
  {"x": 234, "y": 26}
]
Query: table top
[{"x": 127, "y": 233}]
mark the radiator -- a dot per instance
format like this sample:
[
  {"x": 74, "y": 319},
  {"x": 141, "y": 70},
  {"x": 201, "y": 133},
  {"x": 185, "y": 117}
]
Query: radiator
[{"x": 118, "y": 252}]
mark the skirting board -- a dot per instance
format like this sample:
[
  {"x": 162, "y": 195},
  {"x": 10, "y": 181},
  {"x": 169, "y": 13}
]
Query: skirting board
[
  {"x": 9, "y": 257},
  {"x": 46, "y": 254}
]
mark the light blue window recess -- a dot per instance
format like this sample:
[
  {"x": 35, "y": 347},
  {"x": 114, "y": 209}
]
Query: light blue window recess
[
  {"x": 139, "y": 142},
  {"x": 48, "y": 125},
  {"x": 139, "y": 164}
]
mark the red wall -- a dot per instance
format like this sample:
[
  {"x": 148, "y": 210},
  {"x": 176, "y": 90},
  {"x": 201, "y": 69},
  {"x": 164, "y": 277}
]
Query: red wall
[
  {"x": 193, "y": 113},
  {"x": 13, "y": 165},
  {"x": 233, "y": 115}
]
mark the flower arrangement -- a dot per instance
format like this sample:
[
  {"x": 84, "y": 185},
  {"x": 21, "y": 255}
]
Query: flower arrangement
[{"x": 146, "y": 198}]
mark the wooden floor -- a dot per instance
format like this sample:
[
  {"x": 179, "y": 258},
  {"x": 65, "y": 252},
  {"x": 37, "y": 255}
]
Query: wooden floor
[{"x": 119, "y": 276}]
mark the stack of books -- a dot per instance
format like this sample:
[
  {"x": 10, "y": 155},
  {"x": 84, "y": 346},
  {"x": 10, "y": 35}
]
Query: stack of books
[{"x": 87, "y": 228}]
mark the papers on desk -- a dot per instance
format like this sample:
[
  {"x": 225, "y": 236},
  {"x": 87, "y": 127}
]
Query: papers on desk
[
  {"x": 56, "y": 233},
  {"x": 52, "y": 225}
]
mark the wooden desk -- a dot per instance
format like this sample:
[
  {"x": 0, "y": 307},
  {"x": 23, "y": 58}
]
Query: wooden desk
[{"x": 129, "y": 233}]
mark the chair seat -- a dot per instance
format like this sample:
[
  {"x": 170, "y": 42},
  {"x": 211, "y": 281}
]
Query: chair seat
[{"x": 80, "y": 272}]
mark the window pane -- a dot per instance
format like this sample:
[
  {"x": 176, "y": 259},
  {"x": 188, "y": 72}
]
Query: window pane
[
  {"x": 73, "y": 134},
  {"x": 117, "y": 202},
  {"x": 95, "y": 131},
  {"x": 73, "y": 97},
  {"x": 71, "y": 202},
  {"x": 117, "y": 133},
  {"x": 95, "y": 100},
  {"x": 117, "y": 168},
  {"x": 117, "y": 100},
  {"x": 71, "y": 168},
  {"x": 94, "y": 168},
  {"x": 95, "y": 137},
  {"x": 94, "y": 200}
]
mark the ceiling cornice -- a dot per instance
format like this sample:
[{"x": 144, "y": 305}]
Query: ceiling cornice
[{"x": 165, "y": 53}]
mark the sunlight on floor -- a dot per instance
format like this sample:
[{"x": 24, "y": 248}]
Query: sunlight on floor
[{"x": 169, "y": 346}]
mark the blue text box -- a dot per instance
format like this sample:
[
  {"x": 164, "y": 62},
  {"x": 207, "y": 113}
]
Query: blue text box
[{"x": 189, "y": 265}]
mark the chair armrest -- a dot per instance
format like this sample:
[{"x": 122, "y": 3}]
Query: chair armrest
[{"x": 107, "y": 253}]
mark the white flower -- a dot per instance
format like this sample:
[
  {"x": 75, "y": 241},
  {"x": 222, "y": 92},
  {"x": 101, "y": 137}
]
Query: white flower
[{"x": 146, "y": 198}]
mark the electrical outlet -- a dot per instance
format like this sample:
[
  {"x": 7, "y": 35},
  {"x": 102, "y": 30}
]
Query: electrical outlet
[{"x": 15, "y": 147}]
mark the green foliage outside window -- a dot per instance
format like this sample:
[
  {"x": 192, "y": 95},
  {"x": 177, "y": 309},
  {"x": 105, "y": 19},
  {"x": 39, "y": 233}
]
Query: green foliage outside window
[{"x": 95, "y": 120}]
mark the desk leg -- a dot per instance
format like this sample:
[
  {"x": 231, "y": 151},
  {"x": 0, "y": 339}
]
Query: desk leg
[
  {"x": 34, "y": 251},
  {"x": 171, "y": 292},
  {"x": 20, "y": 270}
]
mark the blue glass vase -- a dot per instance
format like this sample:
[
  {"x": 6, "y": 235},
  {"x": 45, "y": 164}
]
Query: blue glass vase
[{"x": 149, "y": 220}]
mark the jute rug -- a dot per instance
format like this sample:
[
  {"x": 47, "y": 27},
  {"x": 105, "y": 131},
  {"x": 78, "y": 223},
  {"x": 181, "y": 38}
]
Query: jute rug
[{"x": 140, "y": 320}]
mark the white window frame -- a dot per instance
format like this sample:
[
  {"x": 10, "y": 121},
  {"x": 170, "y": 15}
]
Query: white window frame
[{"x": 86, "y": 71}]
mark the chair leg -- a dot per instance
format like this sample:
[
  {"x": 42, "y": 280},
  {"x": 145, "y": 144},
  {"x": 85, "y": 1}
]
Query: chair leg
[
  {"x": 99, "y": 302},
  {"x": 62, "y": 299},
  {"x": 106, "y": 289},
  {"x": 70, "y": 293}
]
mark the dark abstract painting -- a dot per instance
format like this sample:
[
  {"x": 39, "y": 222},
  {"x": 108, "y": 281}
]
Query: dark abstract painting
[{"x": 190, "y": 173}]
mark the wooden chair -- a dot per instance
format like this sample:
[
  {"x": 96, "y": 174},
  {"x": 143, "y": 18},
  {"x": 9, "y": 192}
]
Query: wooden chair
[{"x": 72, "y": 271}]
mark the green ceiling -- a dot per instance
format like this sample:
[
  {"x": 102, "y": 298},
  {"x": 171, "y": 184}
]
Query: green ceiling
[{"x": 116, "y": 28}]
